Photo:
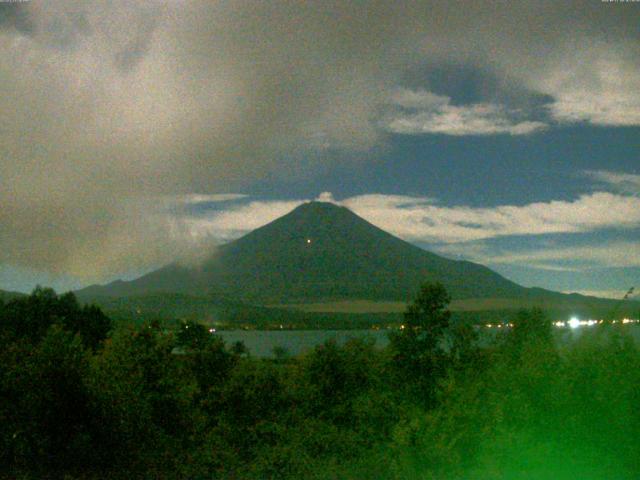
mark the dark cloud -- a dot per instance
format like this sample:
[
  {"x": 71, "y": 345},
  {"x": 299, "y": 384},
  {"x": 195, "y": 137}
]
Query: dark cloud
[
  {"x": 135, "y": 50},
  {"x": 15, "y": 15},
  {"x": 109, "y": 105},
  {"x": 468, "y": 83}
]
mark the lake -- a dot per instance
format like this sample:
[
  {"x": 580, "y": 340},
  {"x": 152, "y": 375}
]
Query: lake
[{"x": 262, "y": 342}]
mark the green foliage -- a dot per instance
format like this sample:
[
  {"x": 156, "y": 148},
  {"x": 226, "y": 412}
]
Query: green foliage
[
  {"x": 280, "y": 353},
  {"x": 418, "y": 347},
  {"x": 30, "y": 317},
  {"x": 531, "y": 327},
  {"x": 192, "y": 335},
  {"x": 151, "y": 403},
  {"x": 142, "y": 402},
  {"x": 44, "y": 409},
  {"x": 464, "y": 352},
  {"x": 534, "y": 412}
]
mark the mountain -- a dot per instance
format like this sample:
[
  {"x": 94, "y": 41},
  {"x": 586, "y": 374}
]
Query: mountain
[
  {"x": 317, "y": 252},
  {"x": 6, "y": 296}
]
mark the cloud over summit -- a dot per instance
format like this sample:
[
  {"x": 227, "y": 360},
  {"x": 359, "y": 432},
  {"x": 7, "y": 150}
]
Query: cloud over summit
[{"x": 107, "y": 106}]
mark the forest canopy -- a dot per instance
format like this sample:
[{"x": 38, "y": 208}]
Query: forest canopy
[{"x": 83, "y": 397}]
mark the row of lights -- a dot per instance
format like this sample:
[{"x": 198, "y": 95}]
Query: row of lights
[{"x": 573, "y": 322}]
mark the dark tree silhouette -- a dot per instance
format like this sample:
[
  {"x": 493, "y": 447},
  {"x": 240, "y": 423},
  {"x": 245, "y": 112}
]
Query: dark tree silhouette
[
  {"x": 418, "y": 346},
  {"x": 531, "y": 326},
  {"x": 30, "y": 317}
]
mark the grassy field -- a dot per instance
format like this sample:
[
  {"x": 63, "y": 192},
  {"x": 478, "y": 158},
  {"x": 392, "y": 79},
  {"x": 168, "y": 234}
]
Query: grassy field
[
  {"x": 347, "y": 306},
  {"x": 373, "y": 306},
  {"x": 583, "y": 305}
]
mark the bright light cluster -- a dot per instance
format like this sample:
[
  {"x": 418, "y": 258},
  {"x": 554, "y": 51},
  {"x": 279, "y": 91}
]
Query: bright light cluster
[{"x": 573, "y": 323}]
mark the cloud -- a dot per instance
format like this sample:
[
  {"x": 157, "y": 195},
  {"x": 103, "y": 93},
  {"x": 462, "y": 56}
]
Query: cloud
[
  {"x": 618, "y": 254},
  {"x": 600, "y": 86},
  {"x": 420, "y": 219},
  {"x": 424, "y": 112},
  {"x": 416, "y": 219},
  {"x": 15, "y": 16},
  {"x": 108, "y": 106},
  {"x": 326, "y": 197},
  {"x": 627, "y": 183},
  {"x": 232, "y": 222},
  {"x": 457, "y": 232},
  {"x": 196, "y": 198}
]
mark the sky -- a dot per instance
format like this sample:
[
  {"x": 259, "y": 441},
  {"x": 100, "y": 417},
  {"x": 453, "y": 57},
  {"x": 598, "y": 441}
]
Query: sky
[{"x": 133, "y": 134}]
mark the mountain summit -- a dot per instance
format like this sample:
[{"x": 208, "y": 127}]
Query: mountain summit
[{"x": 318, "y": 251}]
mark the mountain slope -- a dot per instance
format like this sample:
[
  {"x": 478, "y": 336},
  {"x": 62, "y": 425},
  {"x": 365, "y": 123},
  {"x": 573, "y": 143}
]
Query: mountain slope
[
  {"x": 321, "y": 251},
  {"x": 318, "y": 251},
  {"x": 6, "y": 295}
]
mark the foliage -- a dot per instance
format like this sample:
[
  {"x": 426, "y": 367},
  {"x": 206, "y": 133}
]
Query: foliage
[
  {"x": 31, "y": 316},
  {"x": 418, "y": 347},
  {"x": 148, "y": 402},
  {"x": 44, "y": 410}
]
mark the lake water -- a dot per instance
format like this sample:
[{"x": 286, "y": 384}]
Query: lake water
[{"x": 262, "y": 342}]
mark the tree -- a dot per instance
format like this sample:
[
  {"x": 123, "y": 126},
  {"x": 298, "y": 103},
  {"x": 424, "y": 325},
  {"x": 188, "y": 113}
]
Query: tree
[
  {"x": 427, "y": 317},
  {"x": 44, "y": 408},
  {"x": 280, "y": 353},
  {"x": 192, "y": 336},
  {"x": 464, "y": 351},
  {"x": 30, "y": 317},
  {"x": 417, "y": 348},
  {"x": 239, "y": 348},
  {"x": 142, "y": 399},
  {"x": 531, "y": 327}
]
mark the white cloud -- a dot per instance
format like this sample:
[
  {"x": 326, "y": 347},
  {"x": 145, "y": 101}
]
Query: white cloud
[
  {"x": 417, "y": 219},
  {"x": 621, "y": 182},
  {"x": 616, "y": 254},
  {"x": 424, "y": 112},
  {"x": 420, "y": 219},
  {"x": 599, "y": 107},
  {"x": 326, "y": 197},
  {"x": 459, "y": 231},
  {"x": 598, "y": 84},
  {"x": 204, "y": 198},
  {"x": 233, "y": 222}
]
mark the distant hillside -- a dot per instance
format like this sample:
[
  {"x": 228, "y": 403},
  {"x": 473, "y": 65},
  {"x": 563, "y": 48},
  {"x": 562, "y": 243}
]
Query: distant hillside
[
  {"x": 344, "y": 314},
  {"x": 5, "y": 295},
  {"x": 228, "y": 314}
]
